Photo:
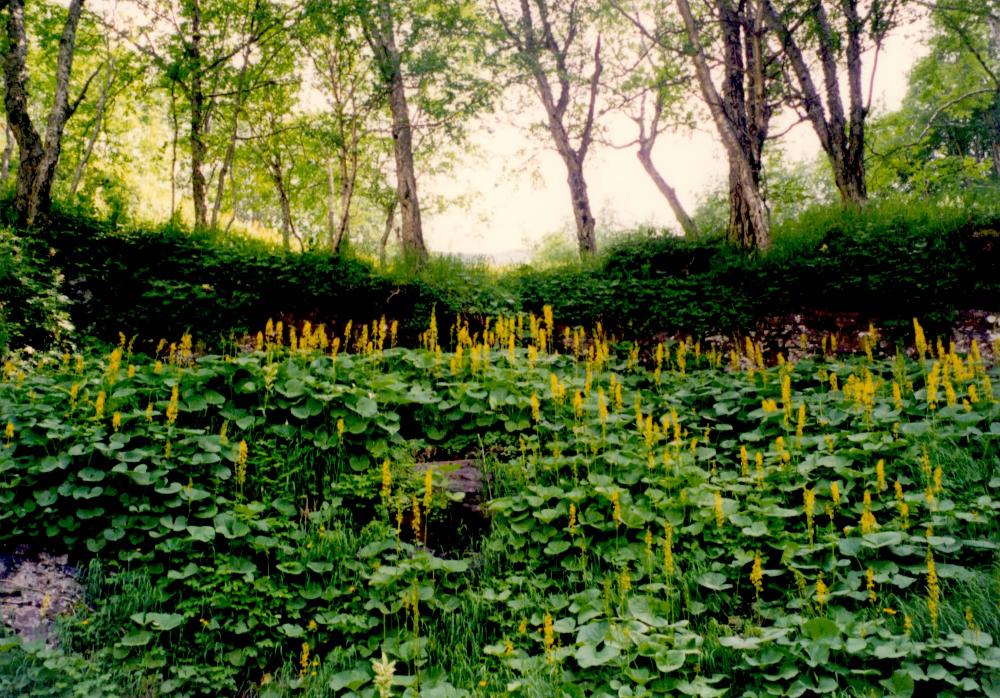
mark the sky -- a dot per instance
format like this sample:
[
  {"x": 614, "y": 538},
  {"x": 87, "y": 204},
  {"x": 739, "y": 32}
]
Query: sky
[{"x": 515, "y": 189}]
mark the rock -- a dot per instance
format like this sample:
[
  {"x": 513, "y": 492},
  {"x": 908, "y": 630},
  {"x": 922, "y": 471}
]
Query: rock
[{"x": 35, "y": 587}]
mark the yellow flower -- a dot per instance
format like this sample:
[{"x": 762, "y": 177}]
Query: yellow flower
[
  {"x": 242, "y": 455},
  {"x": 720, "y": 517},
  {"x": 809, "y": 506},
  {"x": 870, "y": 584},
  {"x": 116, "y": 421},
  {"x": 9, "y": 431},
  {"x": 312, "y": 624},
  {"x": 415, "y": 524},
  {"x": 668, "y": 550},
  {"x": 340, "y": 430},
  {"x": 572, "y": 519},
  {"x": 757, "y": 575},
  {"x": 386, "y": 480},
  {"x": 428, "y": 487},
  {"x": 835, "y": 493},
  {"x": 99, "y": 405},
  {"x": 933, "y": 590},
  {"x": 880, "y": 474},
  {"x": 548, "y": 634},
  {"x": 822, "y": 591},
  {"x": 616, "y": 507},
  {"x": 172, "y": 408},
  {"x": 536, "y": 412},
  {"x": 868, "y": 523},
  {"x": 919, "y": 340},
  {"x": 304, "y": 658}
]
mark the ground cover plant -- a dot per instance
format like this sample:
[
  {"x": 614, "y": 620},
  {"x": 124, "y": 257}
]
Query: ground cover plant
[{"x": 276, "y": 519}]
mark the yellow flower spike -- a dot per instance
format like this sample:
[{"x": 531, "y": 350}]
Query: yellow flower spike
[
  {"x": 116, "y": 421},
  {"x": 868, "y": 522},
  {"x": 919, "y": 340},
  {"x": 242, "y": 457},
  {"x": 428, "y": 487},
  {"x": 415, "y": 523},
  {"x": 99, "y": 405},
  {"x": 304, "y": 659},
  {"x": 822, "y": 591},
  {"x": 172, "y": 406},
  {"x": 870, "y": 585},
  {"x": 757, "y": 575},
  {"x": 907, "y": 624},
  {"x": 386, "y": 491},
  {"x": 548, "y": 635},
  {"x": 800, "y": 427},
  {"x": 744, "y": 461},
  {"x": 835, "y": 493},
  {"x": 616, "y": 508},
  {"x": 933, "y": 590},
  {"x": 578, "y": 405},
  {"x": 809, "y": 507},
  {"x": 938, "y": 475},
  {"x": 720, "y": 516},
  {"x": 668, "y": 550},
  {"x": 572, "y": 519},
  {"x": 536, "y": 411},
  {"x": 880, "y": 474}
]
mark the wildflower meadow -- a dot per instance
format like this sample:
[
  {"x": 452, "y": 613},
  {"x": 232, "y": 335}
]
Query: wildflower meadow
[{"x": 671, "y": 519}]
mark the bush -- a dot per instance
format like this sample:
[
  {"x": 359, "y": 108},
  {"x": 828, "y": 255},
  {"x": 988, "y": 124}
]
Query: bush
[
  {"x": 33, "y": 310},
  {"x": 892, "y": 260}
]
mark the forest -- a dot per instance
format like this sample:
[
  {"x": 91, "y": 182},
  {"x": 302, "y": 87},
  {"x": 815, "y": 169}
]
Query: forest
[{"x": 262, "y": 436}]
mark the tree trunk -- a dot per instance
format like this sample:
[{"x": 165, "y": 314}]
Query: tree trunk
[
  {"x": 381, "y": 36},
  {"x": 227, "y": 161},
  {"x": 582, "y": 215},
  {"x": 841, "y": 135},
  {"x": 8, "y": 152},
  {"x": 38, "y": 158},
  {"x": 199, "y": 185},
  {"x": 331, "y": 207},
  {"x": 406, "y": 177},
  {"x": 749, "y": 224},
  {"x": 96, "y": 129},
  {"x": 669, "y": 193},
  {"x": 287, "y": 223}
]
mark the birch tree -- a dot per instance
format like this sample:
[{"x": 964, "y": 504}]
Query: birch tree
[{"x": 38, "y": 151}]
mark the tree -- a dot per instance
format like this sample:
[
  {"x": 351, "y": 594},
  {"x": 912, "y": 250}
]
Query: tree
[
  {"x": 205, "y": 51},
  {"x": 742, "y": 111},
  {"x": 837, "y": 35},
  {"x": 557, "y": 45},
  {"x": 343, "y": 72},
  {"x": 946, "y": 134},
  {"x": 38, "y": 156},
  {"x": 652, "y": 88}
]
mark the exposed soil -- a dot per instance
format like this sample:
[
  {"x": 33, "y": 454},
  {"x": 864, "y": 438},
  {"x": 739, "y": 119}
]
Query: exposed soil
[{"x": 35, "y": 588}]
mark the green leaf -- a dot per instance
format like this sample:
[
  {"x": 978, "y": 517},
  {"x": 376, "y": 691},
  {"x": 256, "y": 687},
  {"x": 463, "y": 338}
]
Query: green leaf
[
  {"x": 714, "y": 581},
  {"x": 137, "y": 638},
  {"x": 821, "y": 629},
  {"x": 352, "y": 679},
  {"x": 589, "y": 656}
]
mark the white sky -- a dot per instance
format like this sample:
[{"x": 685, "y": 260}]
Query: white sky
[{"x": 516, "y": 184}]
